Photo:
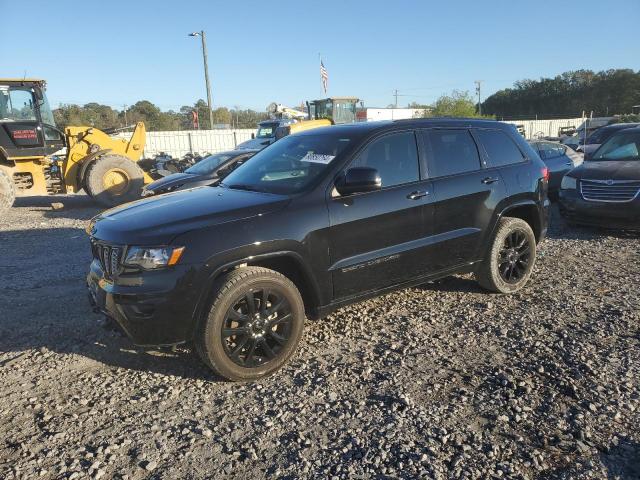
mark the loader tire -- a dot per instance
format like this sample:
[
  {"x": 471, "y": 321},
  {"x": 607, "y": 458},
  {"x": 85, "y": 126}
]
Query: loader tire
[
  {"x": 7, "y": 191},
  {"x": 114, "y": 179}
]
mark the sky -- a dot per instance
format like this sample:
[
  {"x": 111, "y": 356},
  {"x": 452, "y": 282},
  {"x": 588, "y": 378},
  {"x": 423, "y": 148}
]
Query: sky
[{"x": 119, "y": 52}]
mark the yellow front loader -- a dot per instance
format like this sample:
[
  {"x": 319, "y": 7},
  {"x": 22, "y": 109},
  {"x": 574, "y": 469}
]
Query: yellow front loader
[{"x": 38, "y": 159}]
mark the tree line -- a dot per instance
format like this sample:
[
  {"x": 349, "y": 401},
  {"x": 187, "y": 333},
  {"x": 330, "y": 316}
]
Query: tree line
[
  {"x": 105, "y": 117},
  {"x": 609, "y": 92}
]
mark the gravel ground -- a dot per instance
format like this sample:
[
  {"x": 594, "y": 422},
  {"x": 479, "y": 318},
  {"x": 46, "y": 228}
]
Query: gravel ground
[{"x": 441, "y": 381}]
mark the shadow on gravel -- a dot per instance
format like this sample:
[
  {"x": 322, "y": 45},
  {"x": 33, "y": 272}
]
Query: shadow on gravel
[
  {"x": 560, "y": 229},
  {"x": 454, "y": 284},
  {"x": 44, "y": 307},
  {"x": 623, "y": 460},
  {"x": 75, "y": 207}
]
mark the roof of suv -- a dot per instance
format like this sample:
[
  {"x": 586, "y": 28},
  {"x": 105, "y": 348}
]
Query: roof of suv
[{"x": 367, "y": 127}]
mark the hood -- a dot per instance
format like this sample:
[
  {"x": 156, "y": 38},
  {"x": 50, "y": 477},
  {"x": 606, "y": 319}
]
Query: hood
[
  {"x": 254, "y": 143},
  {"x": 169, "y": 181},
  {"x": 608, "y": 170},
  {"x": 157, "y": 220}
]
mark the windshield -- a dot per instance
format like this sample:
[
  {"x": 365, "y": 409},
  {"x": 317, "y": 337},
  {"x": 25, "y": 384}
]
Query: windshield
[
  {"x": 267, "y": 130},
  {"x": 17, "y": 104},
  {"x": 208, "y": 164},
  {"x": 624, "y": 146},
  {"x": 289, "y": 165}
]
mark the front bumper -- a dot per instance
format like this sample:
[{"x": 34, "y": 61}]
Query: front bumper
[
  {"x": 153, "y": 308},
  {"x": 624, "y": 215}
]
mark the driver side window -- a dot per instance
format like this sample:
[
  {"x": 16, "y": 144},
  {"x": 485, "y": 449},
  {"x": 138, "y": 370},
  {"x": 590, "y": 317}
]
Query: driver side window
[{"x": 395, "y": 157}]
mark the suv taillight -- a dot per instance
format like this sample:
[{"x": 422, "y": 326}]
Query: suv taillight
[{"x": 545, "y": 174}]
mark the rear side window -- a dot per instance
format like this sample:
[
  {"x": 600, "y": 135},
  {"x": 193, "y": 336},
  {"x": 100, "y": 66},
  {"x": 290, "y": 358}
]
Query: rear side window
[
  {"x": 550, "y": 150},
  {"x": 499, "y": 147},
  {"x": 395, "y": 157},
  {"x": 450, "y": 152}
]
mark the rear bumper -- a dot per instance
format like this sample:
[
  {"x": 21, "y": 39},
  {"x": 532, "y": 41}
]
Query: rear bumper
[
  {"x": 625, "y": 216},
  {"x": 153, "y": 308}
]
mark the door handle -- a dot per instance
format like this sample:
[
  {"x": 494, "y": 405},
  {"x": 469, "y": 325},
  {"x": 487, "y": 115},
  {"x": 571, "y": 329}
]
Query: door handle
[
  {"x": 417, "y": 194},
  {"x": 489, "y": 180}
]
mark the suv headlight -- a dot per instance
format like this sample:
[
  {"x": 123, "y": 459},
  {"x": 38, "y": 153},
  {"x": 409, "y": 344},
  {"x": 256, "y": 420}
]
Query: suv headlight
[
  {"x": 568, "y": 183},
  {"x": 151, "y": 258}
]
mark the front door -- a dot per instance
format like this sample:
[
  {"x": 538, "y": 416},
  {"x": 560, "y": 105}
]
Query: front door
[{"x": 379, "y": 238}]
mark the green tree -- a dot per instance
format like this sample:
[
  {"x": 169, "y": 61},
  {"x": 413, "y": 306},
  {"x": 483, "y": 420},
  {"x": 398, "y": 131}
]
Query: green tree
[
  {"x": 607, "y": 92},
  {"x": 458, "y": 104}
]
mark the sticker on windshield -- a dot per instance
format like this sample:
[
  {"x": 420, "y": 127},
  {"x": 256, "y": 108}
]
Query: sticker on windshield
[{"x": 317, "y": 158}]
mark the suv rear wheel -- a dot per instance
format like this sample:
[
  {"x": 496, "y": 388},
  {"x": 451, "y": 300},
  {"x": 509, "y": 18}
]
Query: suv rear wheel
[
  {"x": 509, "y": 263},
  {"x": 254, "y": 324}
]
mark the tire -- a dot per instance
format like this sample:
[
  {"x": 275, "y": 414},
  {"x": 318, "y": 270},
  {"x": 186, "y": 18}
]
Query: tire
[
  {"x": 114, "y": 179},
  {"x": 7, "y": 191},
  {"x": 254, "y": 352},
  {"x": 505, "y": 258}
]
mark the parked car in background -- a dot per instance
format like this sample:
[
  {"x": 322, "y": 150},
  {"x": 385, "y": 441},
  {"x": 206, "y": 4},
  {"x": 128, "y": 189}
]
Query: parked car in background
[
  {"x": 320, "y": 219},
  {"x": 585, "y": 129},
  {"x": 598, "y": 137},
  {"x": 558, "y": 158},
  {"x": 266, "y": 134},
  {"x": 605, "y": 189},
  {"x": 207, "y": 171}
]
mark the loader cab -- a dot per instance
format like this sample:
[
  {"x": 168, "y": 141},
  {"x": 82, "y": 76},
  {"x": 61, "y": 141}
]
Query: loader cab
[
  {"x": 27, "y": 126},
  {"x": 336, "y": 109}
]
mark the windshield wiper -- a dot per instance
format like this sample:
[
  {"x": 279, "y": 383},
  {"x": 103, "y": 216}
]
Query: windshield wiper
[{"x": 242, "y": 186}]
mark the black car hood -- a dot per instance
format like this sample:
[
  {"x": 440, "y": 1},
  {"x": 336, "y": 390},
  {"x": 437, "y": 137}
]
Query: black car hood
[
  {"x": 608, "y": 170},
  {"x": 157, "y": 220},
  {"x": 172, "y": 181}
]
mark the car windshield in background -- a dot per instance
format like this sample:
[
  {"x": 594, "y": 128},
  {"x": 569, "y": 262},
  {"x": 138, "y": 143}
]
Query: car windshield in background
[
  {"x": 267, "y": 131},
  {"x": 289, "y": 165},
  {"x": 624, "y": 146},
  {"x": 208, "y": 164}
]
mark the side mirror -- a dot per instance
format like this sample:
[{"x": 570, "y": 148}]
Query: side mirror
[
  {"x": 253, "y": 136},
  {"x": 358, "y": 180}
]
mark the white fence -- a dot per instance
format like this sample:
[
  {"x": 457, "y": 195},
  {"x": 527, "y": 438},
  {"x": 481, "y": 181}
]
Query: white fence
[
  {"x": 545, "y": 128},
  {"x": 179, "y": 143}
]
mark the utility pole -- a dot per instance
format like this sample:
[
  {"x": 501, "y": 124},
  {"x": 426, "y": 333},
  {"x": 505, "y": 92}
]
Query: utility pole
[
  {"x": 478, "y": 86},
  {"x": 206, "y": 72},
  {"x": 395, "y": 94},
  {"x": 125, "y": 115}
]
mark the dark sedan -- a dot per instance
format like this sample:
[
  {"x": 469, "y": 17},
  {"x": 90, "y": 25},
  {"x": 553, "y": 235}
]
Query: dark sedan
[
  {"x": 605, "y": 190},
  {"x": 558, "y": 158},
  {"x": 598, "y": 137},
  {"x": 207, "y": 171}
]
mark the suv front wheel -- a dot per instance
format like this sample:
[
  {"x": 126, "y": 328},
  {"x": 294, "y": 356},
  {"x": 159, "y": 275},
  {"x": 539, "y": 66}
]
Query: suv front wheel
[
  {"x": 254, "y": 324},
  {"x": 509, "y": 262}
]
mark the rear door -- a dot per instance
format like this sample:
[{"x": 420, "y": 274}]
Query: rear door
[
  {"x": 466, "y": 194},
  {"x": 379, "y": 238}
]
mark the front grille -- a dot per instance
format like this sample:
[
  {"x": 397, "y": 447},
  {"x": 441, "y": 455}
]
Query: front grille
[
  {"x": 109, "y": 256},
  {"x": 619, "y": 191}
]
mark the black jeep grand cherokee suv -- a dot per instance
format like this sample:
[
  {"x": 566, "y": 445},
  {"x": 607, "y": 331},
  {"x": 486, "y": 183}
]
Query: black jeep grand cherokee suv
[{"x": 313, "y": 222}]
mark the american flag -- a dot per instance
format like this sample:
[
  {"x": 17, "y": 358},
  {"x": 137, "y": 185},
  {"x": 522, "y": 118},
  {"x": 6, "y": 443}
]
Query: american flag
[{"x": 324, "y": 76}]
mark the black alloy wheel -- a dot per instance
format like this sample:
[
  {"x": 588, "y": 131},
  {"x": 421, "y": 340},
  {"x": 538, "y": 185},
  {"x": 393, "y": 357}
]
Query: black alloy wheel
[
  {"x": 254, "y": 324},
  {"x": 514, "y": 257},
  {"x": 257, "y": 327},
  {"x": 509, "y": 262}
]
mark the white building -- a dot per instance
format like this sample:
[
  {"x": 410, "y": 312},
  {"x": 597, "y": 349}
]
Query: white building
[{"x": 372, "y": 114}]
